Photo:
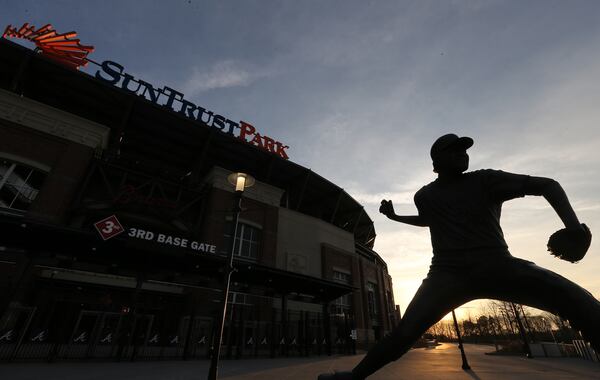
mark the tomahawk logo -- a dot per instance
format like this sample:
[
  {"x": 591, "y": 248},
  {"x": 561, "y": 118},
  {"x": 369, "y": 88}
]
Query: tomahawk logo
[
  {"x": 82, "y": 338},
  {"x": 64, "y": 47},
  {"x": 7, "y": 336},
  {"x": 40, "y": 337}
]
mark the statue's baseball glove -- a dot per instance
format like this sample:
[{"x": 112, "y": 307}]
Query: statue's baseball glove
[{"x": 570, "y": 244}]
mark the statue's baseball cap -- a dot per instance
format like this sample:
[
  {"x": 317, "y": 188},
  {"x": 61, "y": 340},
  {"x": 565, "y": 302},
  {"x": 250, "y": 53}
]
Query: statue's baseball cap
[{"x": 447, "y": 141}]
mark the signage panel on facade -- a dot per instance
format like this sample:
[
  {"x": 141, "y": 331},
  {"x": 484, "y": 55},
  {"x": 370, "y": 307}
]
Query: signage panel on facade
[
  {"x": 170, "y": 240},
  {"x": 109, "y": 227}
]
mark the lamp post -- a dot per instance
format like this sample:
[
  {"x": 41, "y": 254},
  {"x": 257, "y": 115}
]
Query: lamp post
[
  {"x": 526, "y": 347},
  {"x": 240, "y": 181},
  {"x": 465, "y": 363}
]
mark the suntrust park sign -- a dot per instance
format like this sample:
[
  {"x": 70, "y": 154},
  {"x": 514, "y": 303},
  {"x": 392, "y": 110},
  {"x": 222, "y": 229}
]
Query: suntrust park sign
[{"x": 114, "y": 74}]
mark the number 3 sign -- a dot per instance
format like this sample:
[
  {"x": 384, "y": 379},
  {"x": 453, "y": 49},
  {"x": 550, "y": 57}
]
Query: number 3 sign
[{"x": 109, "y": 227}]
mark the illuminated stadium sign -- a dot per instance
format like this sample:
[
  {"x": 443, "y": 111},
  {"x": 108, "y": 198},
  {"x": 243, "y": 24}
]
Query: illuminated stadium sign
[{"x": 66, "y": 49}]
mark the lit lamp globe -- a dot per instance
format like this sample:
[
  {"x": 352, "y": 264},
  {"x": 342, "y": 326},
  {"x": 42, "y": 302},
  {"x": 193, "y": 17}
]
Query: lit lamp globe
[{"x": 240, "y": 181}]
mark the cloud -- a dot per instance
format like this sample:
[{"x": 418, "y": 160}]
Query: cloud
[
  {"x": 223, "y": 74},
  {"x": 404, "y": 197}
]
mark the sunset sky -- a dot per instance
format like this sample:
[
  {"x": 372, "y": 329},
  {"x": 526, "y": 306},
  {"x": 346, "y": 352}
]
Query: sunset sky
[{"x": 359, "y": 90}]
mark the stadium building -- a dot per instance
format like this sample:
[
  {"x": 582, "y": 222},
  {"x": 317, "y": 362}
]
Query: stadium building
[{"x": 116, "y": 221}]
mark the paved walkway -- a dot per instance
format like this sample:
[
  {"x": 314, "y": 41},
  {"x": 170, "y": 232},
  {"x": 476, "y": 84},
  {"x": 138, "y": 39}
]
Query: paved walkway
[{"x": 442, "y": 362}]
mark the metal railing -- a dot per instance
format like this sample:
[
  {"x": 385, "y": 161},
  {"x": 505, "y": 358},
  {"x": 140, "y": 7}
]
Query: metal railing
[{"x": 141, "y": 336}]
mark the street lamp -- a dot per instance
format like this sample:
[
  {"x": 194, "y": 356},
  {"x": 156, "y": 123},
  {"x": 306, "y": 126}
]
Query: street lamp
[
  {"x": 526, "y": 346},
  {"x": 465, "y": 363},
  {"x": 240, "y": 181}
]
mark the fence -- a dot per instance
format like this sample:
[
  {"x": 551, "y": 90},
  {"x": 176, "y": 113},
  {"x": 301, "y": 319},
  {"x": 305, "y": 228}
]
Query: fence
[
  {"x": 97, "y": 335},
  {"x": 584, "y": 350}
]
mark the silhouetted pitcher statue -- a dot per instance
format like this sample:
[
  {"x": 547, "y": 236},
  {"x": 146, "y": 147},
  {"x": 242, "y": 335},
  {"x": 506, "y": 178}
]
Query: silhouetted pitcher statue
[{"x": 470, "y": 256}]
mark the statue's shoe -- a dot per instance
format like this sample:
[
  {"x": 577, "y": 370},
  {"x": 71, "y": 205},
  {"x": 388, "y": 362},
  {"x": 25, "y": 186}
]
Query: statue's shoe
[{"x": 336, "y": 376}]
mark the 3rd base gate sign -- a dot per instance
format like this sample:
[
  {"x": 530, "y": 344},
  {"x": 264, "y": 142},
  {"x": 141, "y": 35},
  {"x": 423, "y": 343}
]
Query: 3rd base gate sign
[{"x": 109, "y": 227}]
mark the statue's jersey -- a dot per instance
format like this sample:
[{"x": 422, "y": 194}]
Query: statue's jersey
[{"x": 464, "y": 213}]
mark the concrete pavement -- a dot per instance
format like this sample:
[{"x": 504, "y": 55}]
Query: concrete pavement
[{"x": 442, "y": 362}]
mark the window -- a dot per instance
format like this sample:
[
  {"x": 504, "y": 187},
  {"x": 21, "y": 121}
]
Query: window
[
  {"x": 341, "y": 276},
  {"x": 371, "y": 298},
  {"x": 238, "y": 298},
  {"x": 342, "y": 305},
  {"x": 390, "y": 300},
  {"x": 19, "y": 185},
  {"x": 247, "y": 240}
]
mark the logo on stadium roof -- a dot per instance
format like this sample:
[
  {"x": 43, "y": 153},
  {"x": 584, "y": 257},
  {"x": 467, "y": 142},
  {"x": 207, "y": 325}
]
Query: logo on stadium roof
[{"x": 64, "y": 48}]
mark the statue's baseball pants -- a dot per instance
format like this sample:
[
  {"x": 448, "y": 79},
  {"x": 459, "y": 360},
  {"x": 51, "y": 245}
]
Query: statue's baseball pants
[{"x": 459, "y": 277}]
